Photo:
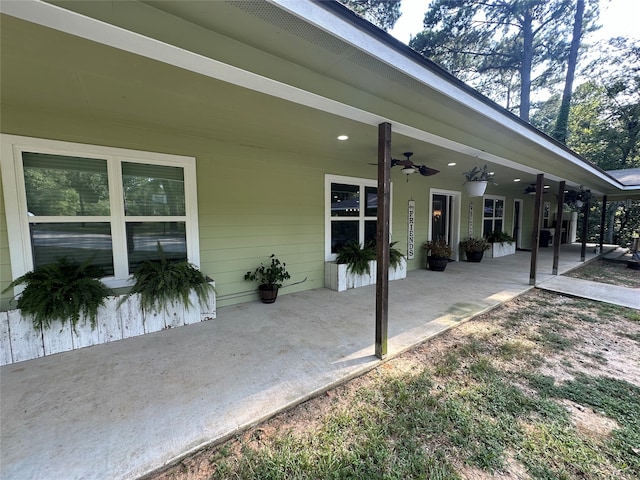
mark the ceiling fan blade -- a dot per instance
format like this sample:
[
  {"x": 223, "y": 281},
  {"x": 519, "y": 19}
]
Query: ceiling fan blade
[
  {"x": 404, "y": 163},
  {"x": 426, "y": 171}
]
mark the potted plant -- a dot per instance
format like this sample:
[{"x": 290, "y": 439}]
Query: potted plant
[
  {"x": 357, "y": 257},
  {"x": 270, "y": 278},
  {"x": 395, "y": 256},
  {"x": 438, "y": 254},
  {"x": 476, "y": 180},
  {"x": 63, "y": 290},
  {"x": 501, "y": 243},
  {"x": 355, "y": 266},
  {"x": 160, "y": 282},
  {"x": 474, "y": 248}
]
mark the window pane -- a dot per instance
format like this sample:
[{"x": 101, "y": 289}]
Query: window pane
[
  {"x": 143, "y": 239},
  {"x": 488, "y": 207},
  {"x": 499, "y": 208},
  {"x": 498, "y": 225},
  {"x": 487, "y": 227},
  {"x": 77, "y": 242},
  {"x": 65, "y": 186},
  {"x": 370, "y": 231},
  {"x": 342, "y": 233},
  {"x": 371, "y": 209},
  {"x": 152, "y": 190},
  {"x": 345, "y": 200}
]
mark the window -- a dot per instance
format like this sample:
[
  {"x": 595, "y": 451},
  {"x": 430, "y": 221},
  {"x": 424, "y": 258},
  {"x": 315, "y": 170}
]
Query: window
[
  {"x": 109, "y": 206},
  {"x": 351, "y": 209},
  {"x": 493, "y": 215}
]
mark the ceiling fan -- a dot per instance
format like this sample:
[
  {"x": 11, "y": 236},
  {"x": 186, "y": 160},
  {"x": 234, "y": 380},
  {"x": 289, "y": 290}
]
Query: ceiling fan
[
  {"x": 531, "y": 189},
  {"x": 408, "y": 167}
]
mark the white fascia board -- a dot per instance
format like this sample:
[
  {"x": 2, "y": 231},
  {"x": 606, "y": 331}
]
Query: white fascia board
[
  {"x": 73, "y": 23},
  {"x": 335, "y": 25}
]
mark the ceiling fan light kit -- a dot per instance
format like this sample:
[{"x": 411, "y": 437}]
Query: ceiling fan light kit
[{"x": 408, "y": 167}]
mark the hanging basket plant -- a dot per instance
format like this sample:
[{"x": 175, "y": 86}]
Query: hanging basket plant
[
  {"x": 476, "y": 189},
  {"x": 476, "y": 180}
]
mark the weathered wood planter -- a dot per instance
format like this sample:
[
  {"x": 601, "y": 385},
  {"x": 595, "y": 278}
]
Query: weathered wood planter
[
  {"x": 20, "y": 341},
  {"x": 337, "y": 278},
  {"x": 502, "y": 249}
]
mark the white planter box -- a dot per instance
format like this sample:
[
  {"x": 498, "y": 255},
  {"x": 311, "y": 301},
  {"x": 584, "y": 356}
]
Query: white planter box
[
  {"x": 337, "y": 278},
  {"x": 20, "y": 341},
  {"x": 502, "y": 249}
]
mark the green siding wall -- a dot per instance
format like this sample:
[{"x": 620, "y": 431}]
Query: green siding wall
[{"x": 251, "y": 201}]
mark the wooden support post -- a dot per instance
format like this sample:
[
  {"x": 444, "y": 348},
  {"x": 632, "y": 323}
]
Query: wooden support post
[
  {"x": 535, "y": 236},
  {"x": 382, "y": 239},
  {"x": 585, "y": 224},
  {"x": 603, "y": 220},
  {"x": 558, "y": 235}
]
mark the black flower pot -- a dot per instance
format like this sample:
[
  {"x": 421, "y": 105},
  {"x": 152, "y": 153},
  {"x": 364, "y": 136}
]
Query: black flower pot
[
  {"x": 437, "y": 264},
  {"x": 474, "y": 256},
  {"x": 268, "y": 293}
]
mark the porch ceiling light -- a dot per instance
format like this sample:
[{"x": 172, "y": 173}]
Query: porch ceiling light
[
  {"x": 408, "y": 170},
  {"x": 343, "y": 137},
  {"x": 451, "y": 164}
]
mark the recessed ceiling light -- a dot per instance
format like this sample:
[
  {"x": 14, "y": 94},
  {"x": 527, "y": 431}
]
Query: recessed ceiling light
[
  {"x": 547, "y": 186},
  {"x": 516, "y": 179},
  {"x": 343, "y": 137},
  {"x": 451, "y": 164}
]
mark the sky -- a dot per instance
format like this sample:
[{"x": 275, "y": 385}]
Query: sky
[{"x": 617, "y": 17}]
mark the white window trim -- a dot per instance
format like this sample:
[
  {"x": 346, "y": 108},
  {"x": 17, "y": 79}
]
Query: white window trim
[
  {"x": 504, "y": 209},
  {"x": 11, "y": 148},
  {"x": 363, "y": 182}
]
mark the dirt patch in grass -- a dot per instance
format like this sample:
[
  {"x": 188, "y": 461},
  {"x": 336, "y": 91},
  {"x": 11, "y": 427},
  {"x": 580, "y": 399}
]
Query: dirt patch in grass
[{"x": 545, "y": 386}]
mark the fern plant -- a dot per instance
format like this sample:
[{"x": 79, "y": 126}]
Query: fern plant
[
  {"x": 357, "y": 257},
  {"x": 395, "y": 255},
  {"x": 63, "y": 290},
  {"x": 162, "y": 281}
]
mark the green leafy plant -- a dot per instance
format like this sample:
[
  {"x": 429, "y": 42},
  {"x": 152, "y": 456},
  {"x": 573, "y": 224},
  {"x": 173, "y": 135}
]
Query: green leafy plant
[
  {"x": 395, "y": 255},
  {"x": 438, "y": 248},
  {"x": 161, "y": 282},
  {"x": 357, "y": 257},
  {"x": 272, "y": 274},
  {"x": 498, "y": 236},
  {"x": 477, "y": 174},
  {"x": 473, "y": 244},
  {"x": 63, "y": 290}
]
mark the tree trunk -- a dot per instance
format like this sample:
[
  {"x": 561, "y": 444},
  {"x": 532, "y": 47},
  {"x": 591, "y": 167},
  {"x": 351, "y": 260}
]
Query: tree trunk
[
  {"x": 562, "y": 122},
  {"x": 525, "y": 68}
]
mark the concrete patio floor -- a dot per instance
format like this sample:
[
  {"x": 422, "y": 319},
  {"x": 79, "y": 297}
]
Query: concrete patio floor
[{"x": 124, "y": 409}]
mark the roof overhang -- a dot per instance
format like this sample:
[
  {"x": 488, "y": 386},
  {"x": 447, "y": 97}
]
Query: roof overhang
[{"x": 315, "y": 61}]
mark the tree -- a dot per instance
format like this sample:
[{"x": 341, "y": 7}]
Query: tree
[
  {"x": 561, "y": 128},
  {"x": 499, "y": 41},
  {"x": 382, "y": 13}
]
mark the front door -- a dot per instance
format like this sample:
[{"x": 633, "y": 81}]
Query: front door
[
  {"x": 440, "y": 222},
  {"x": 445, "y": 218}
]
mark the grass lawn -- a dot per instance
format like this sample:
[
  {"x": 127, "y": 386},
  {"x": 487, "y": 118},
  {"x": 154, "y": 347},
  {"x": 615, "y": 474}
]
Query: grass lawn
[{"x": 543, "y": 387}]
